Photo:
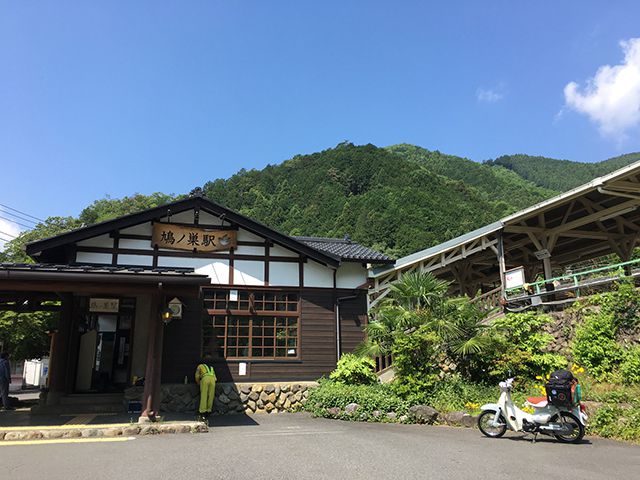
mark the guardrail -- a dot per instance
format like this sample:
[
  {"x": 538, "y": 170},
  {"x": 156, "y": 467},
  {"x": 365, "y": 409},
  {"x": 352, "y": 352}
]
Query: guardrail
[
  {"x": 574, "y": 282},
  {"x": 488, "y": 300}
]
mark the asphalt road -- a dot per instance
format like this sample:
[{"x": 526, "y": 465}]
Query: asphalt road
[{"x": 299, "y": 447}]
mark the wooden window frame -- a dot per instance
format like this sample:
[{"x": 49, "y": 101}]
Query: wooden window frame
[{"x": 252, "y": 313}]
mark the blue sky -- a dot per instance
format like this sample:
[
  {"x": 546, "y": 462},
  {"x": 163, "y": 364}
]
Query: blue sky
[{"x": 120, "y": 97}]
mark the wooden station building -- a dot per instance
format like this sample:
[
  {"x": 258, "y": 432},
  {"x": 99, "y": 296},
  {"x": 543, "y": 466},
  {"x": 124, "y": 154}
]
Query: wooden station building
[{"x": 268, "y": 307}]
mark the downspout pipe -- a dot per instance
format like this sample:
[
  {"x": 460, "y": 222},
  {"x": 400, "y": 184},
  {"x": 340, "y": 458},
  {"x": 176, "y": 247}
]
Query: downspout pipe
[{"x": 338, "y": 336}]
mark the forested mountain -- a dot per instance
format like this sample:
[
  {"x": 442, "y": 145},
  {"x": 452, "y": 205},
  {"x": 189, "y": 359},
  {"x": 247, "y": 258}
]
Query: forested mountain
[
  {"x": 560, "y": 175},
  {"x": 397, "y": 199},
  {"x": 495, "y": 182}
]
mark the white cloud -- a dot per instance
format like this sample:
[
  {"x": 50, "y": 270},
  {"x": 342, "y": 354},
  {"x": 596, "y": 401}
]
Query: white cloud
[
  {"x": 7, "y": 228},
  {"x": 611, "y": 99},
  {"x": 488, "y": 95}
]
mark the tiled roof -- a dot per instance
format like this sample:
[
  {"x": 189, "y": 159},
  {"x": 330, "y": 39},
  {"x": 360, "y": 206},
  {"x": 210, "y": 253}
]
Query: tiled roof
[
  {"x": 100, "y": 269},
  {"x": 345, "y": 248}
]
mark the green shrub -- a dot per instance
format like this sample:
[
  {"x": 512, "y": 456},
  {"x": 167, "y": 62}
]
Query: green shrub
[
  {"x": 595, "y": 346},
  {"x": 622, "y": 303},
  {"x": 613, "y": 421},
  {"x": 519, "y": 348},
  {"x": 454, "y": 393},
  {"x": 416, "y": 360},
  {"x": 605, "y": 421},
  {"x": 330, "y": 399},
  {"x": 630, "y": 368},
  {"x": 354, "y": 370}
]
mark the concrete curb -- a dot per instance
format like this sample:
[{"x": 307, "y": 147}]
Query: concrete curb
[{"x": 92, "y": 431}]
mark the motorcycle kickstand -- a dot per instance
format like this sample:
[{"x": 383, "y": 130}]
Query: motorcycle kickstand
[{"x": 535, "y": 436}]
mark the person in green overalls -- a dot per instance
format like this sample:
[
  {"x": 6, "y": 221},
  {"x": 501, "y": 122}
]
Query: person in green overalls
[{"x": 206, "y": 378}]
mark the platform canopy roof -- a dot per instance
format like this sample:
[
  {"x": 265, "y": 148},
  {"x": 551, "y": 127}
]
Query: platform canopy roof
[{"x": 592, "y": 220}]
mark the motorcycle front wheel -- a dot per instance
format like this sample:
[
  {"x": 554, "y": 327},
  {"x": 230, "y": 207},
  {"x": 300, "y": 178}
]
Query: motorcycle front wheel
[
  {"x": 485, "y": 424},
  {"x": 577, "y": 433}
]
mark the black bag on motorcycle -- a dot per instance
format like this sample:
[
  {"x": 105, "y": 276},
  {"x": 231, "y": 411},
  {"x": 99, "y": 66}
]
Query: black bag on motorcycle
[{"x": 560, "y": 388}]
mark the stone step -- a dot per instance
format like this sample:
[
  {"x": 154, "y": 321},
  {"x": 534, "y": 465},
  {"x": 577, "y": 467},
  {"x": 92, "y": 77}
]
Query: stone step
[{"x": 44, "y": 433}]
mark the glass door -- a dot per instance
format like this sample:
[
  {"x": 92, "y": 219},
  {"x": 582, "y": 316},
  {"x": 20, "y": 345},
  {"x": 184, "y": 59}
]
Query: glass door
[{"x": 105, "y": 349}]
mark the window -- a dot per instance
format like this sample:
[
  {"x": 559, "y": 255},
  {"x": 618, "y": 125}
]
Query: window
[{"x": 259, "y": 325}]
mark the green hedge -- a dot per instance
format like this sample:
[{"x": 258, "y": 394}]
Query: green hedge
[
  {"x": 370, "y": 398},
  {"x": 614, "y": 421}
]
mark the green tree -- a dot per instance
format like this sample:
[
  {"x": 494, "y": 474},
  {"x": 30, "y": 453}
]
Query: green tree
[{"x": 25, "y": 334}]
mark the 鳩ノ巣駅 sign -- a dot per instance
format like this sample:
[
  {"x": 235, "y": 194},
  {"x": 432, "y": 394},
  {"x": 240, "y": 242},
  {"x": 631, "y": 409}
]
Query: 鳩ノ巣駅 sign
[{"x": 181, "y": 237}]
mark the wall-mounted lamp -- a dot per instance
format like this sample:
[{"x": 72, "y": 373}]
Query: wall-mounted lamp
[{"x": 166, "y": 315}]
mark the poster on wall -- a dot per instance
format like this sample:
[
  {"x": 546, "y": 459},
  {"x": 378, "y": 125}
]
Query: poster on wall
[
  {"x": 192, "y": 238},
  {"x": 514, "y": 278}
]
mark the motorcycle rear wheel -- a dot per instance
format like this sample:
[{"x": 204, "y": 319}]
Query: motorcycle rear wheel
[
  {"x": 578, "y": 429},
  {"x": 485, "y": 421}
]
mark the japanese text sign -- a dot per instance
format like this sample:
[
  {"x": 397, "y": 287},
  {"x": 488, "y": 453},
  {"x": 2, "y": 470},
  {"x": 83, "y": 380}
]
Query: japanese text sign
[
  {"x": 181, "y": 237},
  {"x": 104, "y": 305}
]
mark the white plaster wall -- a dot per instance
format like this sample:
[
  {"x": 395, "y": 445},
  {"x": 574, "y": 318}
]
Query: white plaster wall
[
  {"x": 351, "y": 275},
  {"x": 317, "y": 275},
  {"x": 136, "y": 244},
  {"x": 181, "y": 217},
  {"x": 246, "y": 236},
  {"x": 248, "y": 250},
  {"x": 87, "y": 257},
  {"x": 278, "y": 251},
  {"x": 246, "y": 272},
  {"x": 140, "y": 229},
  {"x": 217, "y": 271},
  {"x": 140, "y": 260},
  {"x": 207, "y": 219},
  {"x": 183, "y": 262},
  {"x": 284, "y": 274},
  {"x": 100, "y": 241}
]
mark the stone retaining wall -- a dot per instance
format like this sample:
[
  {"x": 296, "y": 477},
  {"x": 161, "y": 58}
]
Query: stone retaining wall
[{"x": 232, "y": 397}]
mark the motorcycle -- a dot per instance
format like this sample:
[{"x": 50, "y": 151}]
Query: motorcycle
[{"x": 566, "y": 424}]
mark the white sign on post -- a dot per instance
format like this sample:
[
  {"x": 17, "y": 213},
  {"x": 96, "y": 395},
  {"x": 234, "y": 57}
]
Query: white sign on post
[{"x": 514, "y": 278}]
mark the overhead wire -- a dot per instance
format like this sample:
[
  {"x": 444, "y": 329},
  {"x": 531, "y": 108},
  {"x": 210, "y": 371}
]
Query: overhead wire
[
  {"x": 7, "y": 212},
  {"x": 16, "y": 222},
  {"x": 20, "y": 212},
  {"x": 10, "y": 235}
]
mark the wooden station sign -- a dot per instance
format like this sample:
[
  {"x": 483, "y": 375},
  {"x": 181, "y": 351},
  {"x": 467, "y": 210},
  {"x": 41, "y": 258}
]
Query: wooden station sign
[{"x": 192, "y": 238}]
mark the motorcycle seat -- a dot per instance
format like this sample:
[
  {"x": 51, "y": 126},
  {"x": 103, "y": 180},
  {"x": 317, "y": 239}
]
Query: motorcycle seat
[{"x": 538, "y": 402}]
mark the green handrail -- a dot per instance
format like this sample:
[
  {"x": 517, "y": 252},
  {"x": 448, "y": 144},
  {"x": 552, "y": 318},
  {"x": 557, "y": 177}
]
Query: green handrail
[{"x": 575, "y": 276}]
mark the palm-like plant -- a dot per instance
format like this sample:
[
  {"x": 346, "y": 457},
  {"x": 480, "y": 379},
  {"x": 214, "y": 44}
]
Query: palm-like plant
[{"x": 418, "y": 300}]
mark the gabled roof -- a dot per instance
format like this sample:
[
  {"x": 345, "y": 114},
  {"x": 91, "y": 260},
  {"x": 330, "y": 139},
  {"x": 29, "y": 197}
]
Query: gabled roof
[
  {"x": 346, "y": 249},
  {"x": 34, "y": 249},
  {"x": 593, "y": 186}
]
